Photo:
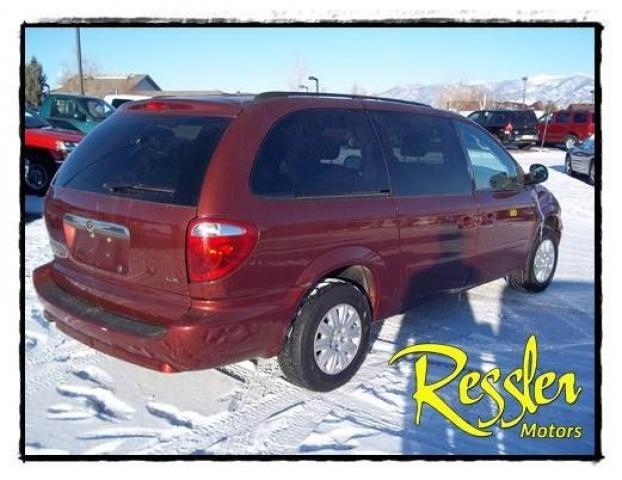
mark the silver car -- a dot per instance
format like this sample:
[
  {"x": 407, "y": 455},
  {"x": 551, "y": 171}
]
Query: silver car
[{"x": 580, "y": 159}]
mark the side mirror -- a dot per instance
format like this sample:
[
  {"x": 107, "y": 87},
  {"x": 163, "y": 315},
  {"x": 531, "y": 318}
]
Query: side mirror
[{"x": 537, "y": 174}]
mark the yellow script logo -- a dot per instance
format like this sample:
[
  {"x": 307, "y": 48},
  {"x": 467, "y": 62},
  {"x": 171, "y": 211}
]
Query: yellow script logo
[{"x": 522, "y": 384}]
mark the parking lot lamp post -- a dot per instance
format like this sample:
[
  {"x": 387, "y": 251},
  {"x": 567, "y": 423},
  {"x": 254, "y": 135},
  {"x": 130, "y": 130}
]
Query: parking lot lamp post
[
  {"x": 524, "y": 88},
  {"x": 305, "y": 87},
  {"x": 546, "y": 123},
  {"x": 317, "y": 83}
]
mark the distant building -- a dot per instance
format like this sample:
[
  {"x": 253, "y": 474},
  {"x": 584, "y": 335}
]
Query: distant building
[
  {"x": 102, "y": 85},
  {"x": 581, "y": 106}
]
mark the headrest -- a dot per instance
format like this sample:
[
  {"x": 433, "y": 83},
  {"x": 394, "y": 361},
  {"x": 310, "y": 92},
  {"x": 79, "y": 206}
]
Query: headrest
[
  {"x": 323, "y": 147},
  {"x": 414, "y": 145}
]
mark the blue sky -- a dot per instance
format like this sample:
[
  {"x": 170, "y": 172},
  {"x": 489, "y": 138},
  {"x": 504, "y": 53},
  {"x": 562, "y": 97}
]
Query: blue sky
[{"x": 259, "y": 59}]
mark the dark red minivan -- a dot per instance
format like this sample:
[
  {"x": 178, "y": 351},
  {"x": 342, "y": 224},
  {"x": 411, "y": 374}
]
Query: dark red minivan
[{"x": 189, "y": 233}]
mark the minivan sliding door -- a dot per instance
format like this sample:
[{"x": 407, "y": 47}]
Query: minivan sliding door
[{"x": 432, "y": 189}]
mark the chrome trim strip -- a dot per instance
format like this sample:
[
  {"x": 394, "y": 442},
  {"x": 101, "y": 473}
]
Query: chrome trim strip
[{"x": 97, "y": 226}]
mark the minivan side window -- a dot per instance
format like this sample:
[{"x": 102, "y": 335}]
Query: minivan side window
[
  {"x": 580, "y": 117},
  {"x": 493, "y": 168},
  {"x": 323, "y": 152},
  {"x": 423, "y": 155}
]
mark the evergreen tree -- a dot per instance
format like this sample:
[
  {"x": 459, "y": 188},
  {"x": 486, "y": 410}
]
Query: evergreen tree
[{"x": 35, "y": 82}]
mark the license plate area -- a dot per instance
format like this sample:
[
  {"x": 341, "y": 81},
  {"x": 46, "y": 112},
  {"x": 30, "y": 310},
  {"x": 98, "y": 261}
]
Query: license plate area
[{"x": 97, "y": 243}]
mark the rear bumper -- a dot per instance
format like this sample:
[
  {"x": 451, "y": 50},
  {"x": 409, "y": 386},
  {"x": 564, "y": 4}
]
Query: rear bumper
[{"x": 207, "y": 335}]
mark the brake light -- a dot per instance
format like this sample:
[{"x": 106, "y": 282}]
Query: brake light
[
  {"x": 215, "y": 248},
  {"x": 508, "y": 128},
  {"x": 158, "y": 106}
]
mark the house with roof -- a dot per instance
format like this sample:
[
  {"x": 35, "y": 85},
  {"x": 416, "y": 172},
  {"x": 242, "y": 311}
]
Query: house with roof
[{"x": 102, "y": 85}]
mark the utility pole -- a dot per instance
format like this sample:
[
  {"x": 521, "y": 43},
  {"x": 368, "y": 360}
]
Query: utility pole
[
  {"x": 524, "y": 88},
  {"x": 546, "y": 123},
  {"x": 317, "y": 83},
  {"x": 79, "y": 53}
]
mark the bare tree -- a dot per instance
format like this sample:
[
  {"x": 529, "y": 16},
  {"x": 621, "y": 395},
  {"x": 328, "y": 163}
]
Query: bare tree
[
  {"x": 298, "y": 75},
  {"x": 90, "y": 68},
  {"x": 464, "y": 97},
  {"x": 357, "y": 89}
]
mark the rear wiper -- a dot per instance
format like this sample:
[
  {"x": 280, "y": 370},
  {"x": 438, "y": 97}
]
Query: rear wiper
[{"x": 115, "y": 187}]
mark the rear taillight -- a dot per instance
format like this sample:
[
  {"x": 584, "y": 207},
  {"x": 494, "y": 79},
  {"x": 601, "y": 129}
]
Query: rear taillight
[
  {"x": 214, "y": 248},
  {"x": 508, "y": 128}
]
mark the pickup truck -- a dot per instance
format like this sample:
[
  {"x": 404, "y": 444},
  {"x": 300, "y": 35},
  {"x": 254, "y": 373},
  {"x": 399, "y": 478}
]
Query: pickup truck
[{"x": 74, "y": 112}]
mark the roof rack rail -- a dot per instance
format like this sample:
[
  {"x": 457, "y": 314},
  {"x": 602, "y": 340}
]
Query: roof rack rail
[{"x": 279, "y": 94}]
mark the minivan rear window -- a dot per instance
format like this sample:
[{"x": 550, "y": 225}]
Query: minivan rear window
[{"x": 152, "y": 157}]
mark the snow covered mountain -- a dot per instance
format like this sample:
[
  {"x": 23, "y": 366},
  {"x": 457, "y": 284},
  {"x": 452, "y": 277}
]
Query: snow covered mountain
[{"x": 562, "y": 90}]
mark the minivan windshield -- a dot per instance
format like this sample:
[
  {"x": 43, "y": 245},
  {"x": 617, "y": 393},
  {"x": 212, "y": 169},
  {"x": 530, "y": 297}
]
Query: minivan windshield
[{"x": 151, "y": 157}]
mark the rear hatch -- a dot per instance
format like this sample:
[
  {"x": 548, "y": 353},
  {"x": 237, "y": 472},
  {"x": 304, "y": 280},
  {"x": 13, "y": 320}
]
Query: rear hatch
[
  {"x": 119, "y": 207},
  {"x": 524, "y": 123}
]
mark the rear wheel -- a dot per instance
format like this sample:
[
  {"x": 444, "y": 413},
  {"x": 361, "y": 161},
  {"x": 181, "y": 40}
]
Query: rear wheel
[
  {"x": 37, "y": 176},
  {"x": 592, "y": 174},
  {"x": 538, "y": 274},
  {"x": 570, "y": 141},
  {"x": 329, "y": 338}
]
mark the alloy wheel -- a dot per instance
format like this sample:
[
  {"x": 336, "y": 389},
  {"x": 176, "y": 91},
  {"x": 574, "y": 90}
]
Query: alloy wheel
[
  {"x": 544, "y": 260},
  {"x": 337, "y": 339}
]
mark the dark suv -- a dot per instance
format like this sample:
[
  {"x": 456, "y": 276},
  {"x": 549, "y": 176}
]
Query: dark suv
[
  {"x": 515, "y": 127},
  {"x": 192, "y": 233}
]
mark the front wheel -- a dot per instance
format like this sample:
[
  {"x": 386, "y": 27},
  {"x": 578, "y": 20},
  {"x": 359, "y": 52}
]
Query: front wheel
[
  {"x": 329, "y": 338},
  {"x": 538, "y": 274}
]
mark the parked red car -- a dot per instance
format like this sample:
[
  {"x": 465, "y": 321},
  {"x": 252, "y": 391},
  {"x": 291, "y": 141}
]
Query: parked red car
[
  {"x": 567, "y": 127},
  {"x": 45, "y": 150},
  {"x": 192, "y": 233}
]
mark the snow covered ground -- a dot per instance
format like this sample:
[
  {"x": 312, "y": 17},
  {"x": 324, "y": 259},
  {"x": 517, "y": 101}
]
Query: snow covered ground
[{"x": 80, "y": 401}]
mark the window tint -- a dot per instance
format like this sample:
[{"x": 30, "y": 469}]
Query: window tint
[
  {"x": 493, "y": 168},
  {"x": 475, "y": 116},
  {"x": 562, "y": 117},
  {"x": 158, "y": 158},
  {"x": 524, "y": 118},
  {"x": 117, "y": 102},
  {"x": 320, "y": 152},
  {"x": 64, "y": 107},
  {"x": 423, "y": 155},
  {"x": 580, "y": 117},
  {"x": 499, "y": 118}
]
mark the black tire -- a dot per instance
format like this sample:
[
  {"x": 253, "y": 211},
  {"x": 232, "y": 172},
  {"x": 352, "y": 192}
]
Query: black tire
[
  {"x": 297, "y": 357},
  {"x": 39, "y": 175},
  {"x": 570, "y": 141},
  {"x": 525, "y": 146},
  {"x": 524, "y": 279},
  {"x": 592, "y": 175},
  {"x": 568, "y": 166}
]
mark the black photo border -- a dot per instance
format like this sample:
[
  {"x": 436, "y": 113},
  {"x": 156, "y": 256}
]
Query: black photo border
[{"x": 146, "y": 22}]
